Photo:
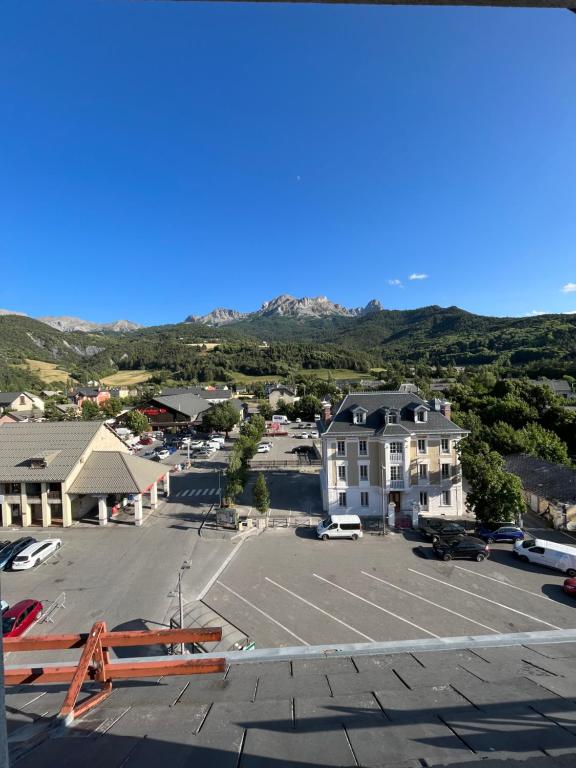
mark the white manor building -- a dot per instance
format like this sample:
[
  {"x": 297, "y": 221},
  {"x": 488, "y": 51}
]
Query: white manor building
[{"x": 393, "y": 455}]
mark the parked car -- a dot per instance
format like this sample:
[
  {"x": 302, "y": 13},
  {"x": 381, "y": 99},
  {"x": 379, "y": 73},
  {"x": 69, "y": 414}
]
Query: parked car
[
  {"x": 163, "y": 453},
  {"x": 432, "y": 530},
  {"x": 303, "y": 435},
  {"x": 216, "y": 438},
  {"x": 9, "y": 552},
  {"x": 302, "y": 449},
  {"x": 503, "y": 533},
  {"x": 146, "y": 441},
  {"x": 467, "y": 547},
  {"x": 313, "y": 435},
  {"x": 298, "y": 420},
  {"x": 36, "y": 553},
  {"x": 16, "y": 620},
  {"x": 569, "y": 587},
  {"x": 562, "y": 557},
  {"x": 186, "y": 440},
  {"x": 263, "y": 449}
]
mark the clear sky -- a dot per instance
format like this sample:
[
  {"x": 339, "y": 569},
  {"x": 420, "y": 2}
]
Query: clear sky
[{"x": 160, "y": 159}]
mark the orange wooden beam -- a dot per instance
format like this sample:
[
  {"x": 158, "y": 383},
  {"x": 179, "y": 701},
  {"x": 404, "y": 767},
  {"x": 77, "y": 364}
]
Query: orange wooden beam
[
  {"x": 116, "y": 670},
  {"x": 113, "y": 639}
]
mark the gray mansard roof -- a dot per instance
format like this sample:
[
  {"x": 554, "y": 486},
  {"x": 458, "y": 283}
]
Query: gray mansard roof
[{"x": 375, "y": 402}]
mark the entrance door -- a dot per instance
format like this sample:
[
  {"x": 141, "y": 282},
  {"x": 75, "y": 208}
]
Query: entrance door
[{"x": 394, "y": 498}]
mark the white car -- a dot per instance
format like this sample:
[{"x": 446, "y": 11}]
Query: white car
[
  {"x": 35, "y": 554},
  {"x": 197, "y": 444},
  {"x": 314, "y": 435},
  {"x": 303, "y": 435},
  {"x": 263, "y": 449},
  {"x": 163, "y": 454},
  {"x": 186, "y": 440},
  {"x": 216, "y": 439}
]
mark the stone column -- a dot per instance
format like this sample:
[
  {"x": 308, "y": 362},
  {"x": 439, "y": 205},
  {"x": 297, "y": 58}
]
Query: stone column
[
  {"x": 102, "y": 511},
  {"x": 46, "y": 511},
  {"x": 138, "y": 509},
  {"x": 66, "y": 510},
  {"x": 6, "y": 510},
  {"x": 25, "y": 510},
  {"x": 166, "y": 483},
  {"x": 415, "y": 513},
  {"x": 391, "y": 515},
  {"x": 154, "y": 496}
]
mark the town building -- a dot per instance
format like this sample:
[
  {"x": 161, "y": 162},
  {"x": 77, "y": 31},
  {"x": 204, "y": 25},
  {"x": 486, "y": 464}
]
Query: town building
[
  {"x": 281, "y": 392},
  {"x": 20, "y": 401},
  {"x": 92, "y": 394},
  {"x": 177, "y": 410},
  {"x": 560, "y": 387},
  {"x": 52, "y": 473},
  {"x": 391, "y": 454},
  {"x": 549, "y": 489},
  {"x": 210, "y": 394}
]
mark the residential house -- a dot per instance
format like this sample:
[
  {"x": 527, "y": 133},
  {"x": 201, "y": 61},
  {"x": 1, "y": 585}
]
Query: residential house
[
  {"x": 560, "y": 387},
  {"x": 549, "y": 489},
  {"x": 210, "y": 394},
  {"x": 52, "y": 473},
  {"x": 281, "y": 392},
  {"x": 20, "y": 401},
  {"x": 123, "y": 392},
  {"x": 177, "y": 410},
  {"x": 92, "y": 394},
  {"x": 391, "y": 454}
]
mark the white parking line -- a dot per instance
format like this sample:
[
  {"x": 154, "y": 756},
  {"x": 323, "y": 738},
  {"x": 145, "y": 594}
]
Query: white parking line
[
  {"x": 430, "y": 602},
  {"x": 321, "y": 610},
  {"x": 374, "y": 605},
  {"x": 184, "y": 493},
  {"x": 270, "y": 618},
  {"x": 487, "y": 599},
  {"x": 505, "y": 584},
  {"x": 204, "y": 492}
]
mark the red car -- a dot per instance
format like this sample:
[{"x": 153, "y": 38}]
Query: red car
[
  {"x": 570, "y": 587},
  {"x": 146, "y": 441},
  {"x": 16, "y": 620}
]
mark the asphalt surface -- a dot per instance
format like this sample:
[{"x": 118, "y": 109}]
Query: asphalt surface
[
  {"x": 121, "y": 574},
  {"x": 287, "y": 588}
]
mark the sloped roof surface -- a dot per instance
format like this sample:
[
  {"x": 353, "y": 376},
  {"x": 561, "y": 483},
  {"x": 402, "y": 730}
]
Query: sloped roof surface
[
  {"x": 186, "y": 403},
  {"x": 23, "y": 441},
  {"x": 550, "y": 481},
  {"x": 496, "y": 707},
  {"x": 374, "y": 402},
  {"x": 116, "y": 472}
]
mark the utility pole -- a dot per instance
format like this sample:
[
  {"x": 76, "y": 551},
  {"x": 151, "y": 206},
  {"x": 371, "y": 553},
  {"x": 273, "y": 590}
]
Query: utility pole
[{"x": 185, "y": 565}]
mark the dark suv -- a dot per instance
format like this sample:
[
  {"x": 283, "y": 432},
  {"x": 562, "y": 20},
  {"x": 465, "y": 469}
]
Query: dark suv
[
  {"x": 466, "y": 547},
  {"x": 441, "y": 529}
]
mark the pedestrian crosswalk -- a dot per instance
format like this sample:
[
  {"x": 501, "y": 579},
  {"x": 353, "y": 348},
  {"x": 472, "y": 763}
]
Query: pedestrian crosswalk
[{"x": 195, "y": 492}]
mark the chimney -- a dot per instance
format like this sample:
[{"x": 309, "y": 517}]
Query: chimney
[
  {"x": 446, "y": 408},
  {"x": 326, "y": 412}
]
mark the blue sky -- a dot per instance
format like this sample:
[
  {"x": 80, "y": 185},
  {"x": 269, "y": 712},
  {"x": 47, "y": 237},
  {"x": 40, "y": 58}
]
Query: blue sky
[{"x": 160, "y": 159}]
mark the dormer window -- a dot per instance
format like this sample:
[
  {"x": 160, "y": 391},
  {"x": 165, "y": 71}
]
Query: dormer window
[
  {"x": 421, "y": 415},
  {"x": 392, "y": 417},
  {"x": 359, "y": 415}
]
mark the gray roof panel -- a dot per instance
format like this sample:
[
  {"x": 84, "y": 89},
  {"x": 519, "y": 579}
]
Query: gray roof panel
[
  {"x": 117, "y": 472},
  {"x": 23, "y": 441},
  {"x": 186, "y": 403}
]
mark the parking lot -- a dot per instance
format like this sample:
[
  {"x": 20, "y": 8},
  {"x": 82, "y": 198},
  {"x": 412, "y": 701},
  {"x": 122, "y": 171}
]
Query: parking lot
[
  {"x": 283, "y": 445},
  {"x": 287, "y": 588}
]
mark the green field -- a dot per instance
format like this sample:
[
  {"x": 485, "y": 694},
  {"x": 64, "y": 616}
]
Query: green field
[
  {"x": 48, "y": 372},
  {"x": 321, "y": 373},
  {"x": 126, "y": 378}
]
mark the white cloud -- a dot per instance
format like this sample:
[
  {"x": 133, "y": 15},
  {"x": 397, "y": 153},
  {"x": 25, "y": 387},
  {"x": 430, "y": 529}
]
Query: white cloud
[
  {"x": 537, "y": 312},
  {"x": 573, "y": 312},
  {"x": 569, "y": 288},
  {"x": 418, "y": 276},
  {"x": 395, "y": 282}
]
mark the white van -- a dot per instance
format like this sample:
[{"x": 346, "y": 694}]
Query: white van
[
  {"x": 562, "y": 557},
  {"x": 278, "y": 419},
  {"x": 339, "y": 527},
  {"x": 35, "y": 554}
]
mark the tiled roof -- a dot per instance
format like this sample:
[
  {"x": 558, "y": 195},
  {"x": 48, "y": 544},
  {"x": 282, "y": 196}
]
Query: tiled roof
[
  {"x": 6, "y": 398},
  {"x": 186, "y": 403},
  {"x": 21, "y": 442},
  {"x": 374, "y": 402},
  {"x": 549, "y": 481},
  {"x": 206, "y": 394},
  {"x": 485, "y": 707},
  {"x": 116, "y": 472}
]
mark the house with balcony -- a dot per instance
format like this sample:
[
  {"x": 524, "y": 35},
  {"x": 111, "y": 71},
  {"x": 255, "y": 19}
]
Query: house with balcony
[
  {"x": 392, "y": 455},
  {"x": 53, "y": 473}
]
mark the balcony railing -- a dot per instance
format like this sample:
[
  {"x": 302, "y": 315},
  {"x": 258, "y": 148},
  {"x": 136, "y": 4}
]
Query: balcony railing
[
  {"x": 54, "y": 496},
  {"x": 397, "y": 485},
  {"x": 399, "y": 457}
]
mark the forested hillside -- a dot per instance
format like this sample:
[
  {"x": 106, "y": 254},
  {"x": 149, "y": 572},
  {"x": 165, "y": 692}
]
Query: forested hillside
[{"x": 279, "y": 346}]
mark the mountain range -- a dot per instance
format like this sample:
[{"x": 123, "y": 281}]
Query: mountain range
[
  {"x": 285, "y": 306},
  {"x": 71, "y": 324}
]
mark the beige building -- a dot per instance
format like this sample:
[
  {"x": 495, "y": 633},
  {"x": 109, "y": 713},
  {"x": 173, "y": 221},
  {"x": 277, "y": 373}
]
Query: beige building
[
  {"x": 281, "y": 393},
  {"x": 52, "y": 473},
  {"x": 393, "y": 455},
  {"x": 20, "y": 401}
]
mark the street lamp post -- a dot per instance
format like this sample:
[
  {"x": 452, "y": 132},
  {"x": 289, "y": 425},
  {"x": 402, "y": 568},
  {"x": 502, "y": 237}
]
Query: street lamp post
[
  {"x": 382, "y": 470},
  {"x": 185, "y": 565}
]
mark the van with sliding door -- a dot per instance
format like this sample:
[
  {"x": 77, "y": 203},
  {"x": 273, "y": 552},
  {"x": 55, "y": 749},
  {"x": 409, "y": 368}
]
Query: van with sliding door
[
  {"x": 561, "y": 557},
  {"x": 339, "y": 527}
]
